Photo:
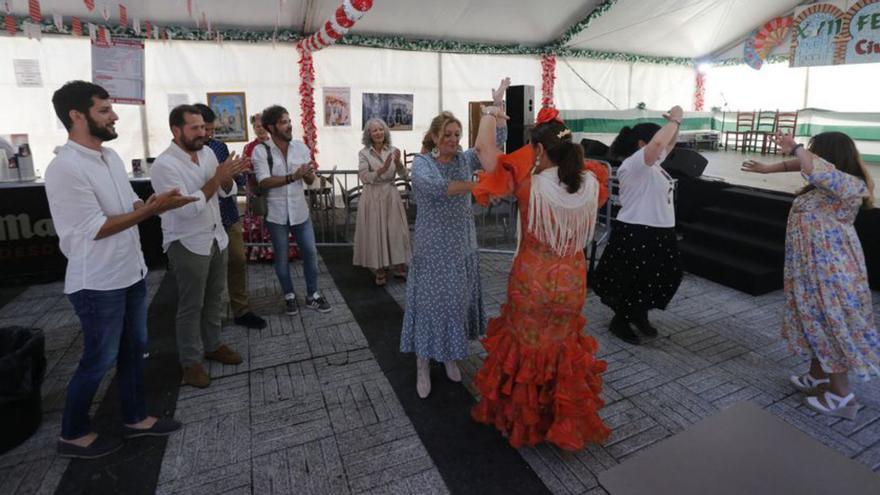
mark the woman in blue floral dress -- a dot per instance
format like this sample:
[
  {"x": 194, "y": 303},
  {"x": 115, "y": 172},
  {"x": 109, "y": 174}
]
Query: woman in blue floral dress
[
  {"x": 828, "y": 312},
  {"x": 444, "y": 303}
]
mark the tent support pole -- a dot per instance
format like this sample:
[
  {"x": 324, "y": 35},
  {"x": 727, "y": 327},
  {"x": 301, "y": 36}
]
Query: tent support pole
[
  {"x": 145, "y": 134},
  {"x": 807, "y": 89},
  {"x": 440, "y": 82}
]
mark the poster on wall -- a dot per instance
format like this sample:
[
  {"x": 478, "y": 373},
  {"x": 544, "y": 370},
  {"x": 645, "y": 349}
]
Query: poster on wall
[
  {"x": 337, "y": 107},
  {"x": 395, "y": 110},
  {"x": 231, "y": 111},
  {"x": 836, "y": 33},
  {"x": 119, "y": 68},
  {"x": 27, "y": 73}
]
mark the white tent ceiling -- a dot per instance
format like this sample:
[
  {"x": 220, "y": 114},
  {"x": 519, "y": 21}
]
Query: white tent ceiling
[{"x": 674, "y": 28}]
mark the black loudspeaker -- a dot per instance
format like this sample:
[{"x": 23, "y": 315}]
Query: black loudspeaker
[
  {"x": 594, "y": 149},
  {"x": 521, "y": 105},
  {"x": 683, "y": 162},
  {"x": 517, "y": 136}
]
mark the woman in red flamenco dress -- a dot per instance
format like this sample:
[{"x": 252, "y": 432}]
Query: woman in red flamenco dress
[{"x": 541, "y": 381}]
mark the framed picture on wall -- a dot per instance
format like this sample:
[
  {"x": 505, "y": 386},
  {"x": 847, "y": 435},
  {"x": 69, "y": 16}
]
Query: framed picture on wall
[
  {"x": 395, "y": 110},
  {"x": 231, "y": 124},
  {"x": 337, "y": 107}
]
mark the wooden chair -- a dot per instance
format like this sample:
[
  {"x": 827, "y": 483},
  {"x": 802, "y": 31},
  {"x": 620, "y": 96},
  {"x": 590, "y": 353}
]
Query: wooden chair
[
  {"x": 350, "y": 198},
  {"x": 745, "y": 124},
  {"x": 786, "y": 123},
  {"x": 765, "y": 126}
]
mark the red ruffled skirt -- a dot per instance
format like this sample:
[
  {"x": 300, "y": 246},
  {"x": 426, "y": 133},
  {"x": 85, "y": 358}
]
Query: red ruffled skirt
[{"x": 541, "y": 381}]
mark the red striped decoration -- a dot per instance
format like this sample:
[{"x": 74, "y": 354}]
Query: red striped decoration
[
  {"x": 10, "y": 25},
  {"x": 123, "y": 15},
  {"x": 148, "y": 29},
  {"x": 90, "y": 4},
  {"x": 34, "y": 10},
  {"x": 102, "y": 36},
  {"x": 77, "y": 26}
]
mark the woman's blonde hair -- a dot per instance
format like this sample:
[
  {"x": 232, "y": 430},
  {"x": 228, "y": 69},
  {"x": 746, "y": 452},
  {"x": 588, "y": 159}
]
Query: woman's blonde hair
[
  {"x": 367, "y": 140},
  {"x": 438, "y": 124}
]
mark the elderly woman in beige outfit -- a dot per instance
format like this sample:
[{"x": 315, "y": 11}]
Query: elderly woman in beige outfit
[{"x": 381, "y": 237}]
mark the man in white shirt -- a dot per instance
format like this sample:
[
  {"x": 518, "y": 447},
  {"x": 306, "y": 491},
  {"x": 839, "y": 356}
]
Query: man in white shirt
[
  {"x": 95, "y": 212},
  {"x": 281, "y": 166},
  {"x": 195, "y": 240}
]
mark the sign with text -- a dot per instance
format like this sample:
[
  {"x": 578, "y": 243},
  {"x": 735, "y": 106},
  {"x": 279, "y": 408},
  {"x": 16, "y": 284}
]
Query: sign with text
[
  {"x": 119, "y": 68},
  {"x": 836, "y": 33}
]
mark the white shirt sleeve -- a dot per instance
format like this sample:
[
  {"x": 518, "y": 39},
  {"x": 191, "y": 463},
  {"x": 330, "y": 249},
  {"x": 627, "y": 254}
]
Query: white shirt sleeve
[
  {"x": 72, "y": 203},
  {"x": 261, "y": 164},
  {"x": 635, "y": 166},
  {"x": 165, "y": 177}
]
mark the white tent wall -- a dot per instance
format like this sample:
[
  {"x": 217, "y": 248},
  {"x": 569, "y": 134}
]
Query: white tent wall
[
  {"x": 610, "y": 79},
  {"x": 366, "y": 70},
  {"x": 663, "y": 86},
  {"x": 775, "y": 86},
  {"x": 267, "y": 75},
  {"x": 29, "y": 110}
]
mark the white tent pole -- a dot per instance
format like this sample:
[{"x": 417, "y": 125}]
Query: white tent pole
[
  {"x": 629, "y": 89},
  {"x": 145, "y": 135},
  {"x": 807, "y": 89},
  {"x": 440, "y": 82}
]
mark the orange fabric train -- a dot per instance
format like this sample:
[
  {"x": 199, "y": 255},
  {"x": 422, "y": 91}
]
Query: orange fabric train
[{"x": 540, "y": 381}]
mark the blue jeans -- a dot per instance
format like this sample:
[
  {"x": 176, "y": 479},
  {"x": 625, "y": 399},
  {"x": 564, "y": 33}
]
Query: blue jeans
[
  {"x": 114, "y": 326},
  {"x": 305, "y": 242}
]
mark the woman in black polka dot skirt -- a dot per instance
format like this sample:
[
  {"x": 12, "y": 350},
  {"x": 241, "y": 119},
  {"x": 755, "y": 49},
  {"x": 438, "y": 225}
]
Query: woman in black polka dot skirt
[{"x": 640, "y": 269}]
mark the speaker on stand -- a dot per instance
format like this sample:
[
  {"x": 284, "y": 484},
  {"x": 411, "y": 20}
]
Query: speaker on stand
[{"x": 521, "y": 110}]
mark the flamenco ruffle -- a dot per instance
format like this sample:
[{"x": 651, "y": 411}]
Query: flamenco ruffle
[{"x": 547, "y": 393}]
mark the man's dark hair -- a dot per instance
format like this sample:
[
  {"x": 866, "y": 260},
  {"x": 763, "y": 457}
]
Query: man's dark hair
[
  {"x": 206, "y": 112},
  {"x": 272, "y": 115},
  {"x": 176, "y": 119},
  {"x": 76, "y": 95}
]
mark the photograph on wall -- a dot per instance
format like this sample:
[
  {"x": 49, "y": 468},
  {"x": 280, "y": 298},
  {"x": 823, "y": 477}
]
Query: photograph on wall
[
  {"x": 395, "y": 110},
  {"x": 337, "y": 107},
  {"x": 231, "y": 124}
]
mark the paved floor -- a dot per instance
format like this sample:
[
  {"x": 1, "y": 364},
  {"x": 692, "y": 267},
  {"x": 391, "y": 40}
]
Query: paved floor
[{"x": 310, "y": 410}]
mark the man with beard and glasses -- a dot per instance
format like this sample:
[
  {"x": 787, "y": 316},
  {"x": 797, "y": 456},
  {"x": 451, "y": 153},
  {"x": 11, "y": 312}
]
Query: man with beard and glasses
[
  {"x": 291, "y": 165},
  {"x": 95, "y": 212},
  {"x": 196, "y": 241},
  {"x": 236, "y": 270}
]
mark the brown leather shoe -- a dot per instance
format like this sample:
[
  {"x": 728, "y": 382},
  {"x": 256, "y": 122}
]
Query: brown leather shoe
[
  {"x": 224, "y": 355},
  {"x": 196, "y": 376}
]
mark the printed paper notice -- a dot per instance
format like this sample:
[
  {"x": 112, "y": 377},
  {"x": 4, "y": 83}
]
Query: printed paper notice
[
  {"x": 119, "y": 68},
  {"x": 27, "y": 73}
]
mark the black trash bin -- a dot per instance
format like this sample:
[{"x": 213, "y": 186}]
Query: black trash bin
[{"x": 22, "y": 367}]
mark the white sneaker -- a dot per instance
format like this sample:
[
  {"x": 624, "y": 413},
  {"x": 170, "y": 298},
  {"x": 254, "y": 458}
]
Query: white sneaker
[
  {"x": 452, "y": 371},
  {"x": 423, "y": 377}
]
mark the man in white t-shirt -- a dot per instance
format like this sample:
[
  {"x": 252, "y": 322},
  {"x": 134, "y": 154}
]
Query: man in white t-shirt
[{"x": 95, "y": 212}]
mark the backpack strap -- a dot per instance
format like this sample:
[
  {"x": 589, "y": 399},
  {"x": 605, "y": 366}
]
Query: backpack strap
[{"x": 268, "y": 155}]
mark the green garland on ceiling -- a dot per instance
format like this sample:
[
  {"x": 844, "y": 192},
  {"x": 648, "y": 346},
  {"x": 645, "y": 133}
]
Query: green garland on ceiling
[
  {"x": 584, "y": 23},
  {"x": 395, "y": 43}
]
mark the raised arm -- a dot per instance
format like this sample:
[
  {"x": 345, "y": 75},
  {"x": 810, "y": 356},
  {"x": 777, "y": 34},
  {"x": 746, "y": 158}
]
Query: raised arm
[{"x": 664, "y": 140}]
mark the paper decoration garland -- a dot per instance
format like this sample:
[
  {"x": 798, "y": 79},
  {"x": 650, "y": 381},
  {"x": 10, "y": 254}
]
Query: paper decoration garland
[
  {"x": 34, "y": 11},
  {"x": 123, "y": 15},
  {"x": 699, "y": 92},
  {"x": 11, "y": 27},
  {"x": 90, "y": 4},
  {"x": 76, "y": 26},
  {"x": 332, "y": 31},
  {"x": 548, "y": 78}
]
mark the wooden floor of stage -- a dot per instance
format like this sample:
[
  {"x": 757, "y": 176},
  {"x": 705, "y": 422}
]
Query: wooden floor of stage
[{"x": 725, "y": 166}]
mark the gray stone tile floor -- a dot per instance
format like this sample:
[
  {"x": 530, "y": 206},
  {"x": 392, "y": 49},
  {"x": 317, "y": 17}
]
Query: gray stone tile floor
[{"x": 310, "y": 412}]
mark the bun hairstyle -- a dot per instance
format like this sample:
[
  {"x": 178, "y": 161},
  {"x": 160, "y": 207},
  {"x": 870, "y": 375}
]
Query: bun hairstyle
[
  {"x": 568, "y": 156},
  {"x": 627, "y": 141},
  {"x": 438, "y": 123}
]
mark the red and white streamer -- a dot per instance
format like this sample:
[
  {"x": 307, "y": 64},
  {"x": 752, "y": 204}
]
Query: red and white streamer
[
  {"x": 700, "y": 92},
  {"x": 34, "y": 11},
  {"x": 90, "y": 4},
  {"x": 76, "y": 26},
  {"x": 123, "y": 15},
  {"x": 548, "y": 79},
  {"x": 11, "y": 27},
  {"x": 332, "y": 31}
]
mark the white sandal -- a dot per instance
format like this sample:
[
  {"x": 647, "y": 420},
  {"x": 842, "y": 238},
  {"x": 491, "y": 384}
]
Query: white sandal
[
  {"x": 841, "y": 407},
  {"x": 807, "y": 384},
  {"x": 452, "y": 371},
  {"x": 423, "y": 378}
]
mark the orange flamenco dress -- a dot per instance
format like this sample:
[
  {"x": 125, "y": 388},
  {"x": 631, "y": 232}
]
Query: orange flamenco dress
[{"x": 540, "y": 381}]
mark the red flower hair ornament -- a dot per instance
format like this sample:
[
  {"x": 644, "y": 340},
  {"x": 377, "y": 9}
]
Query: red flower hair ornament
[{"x": 548, "y": 114}]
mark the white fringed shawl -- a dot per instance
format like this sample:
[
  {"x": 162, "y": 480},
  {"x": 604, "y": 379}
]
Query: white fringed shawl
[{"x": 563, "y": 221}]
